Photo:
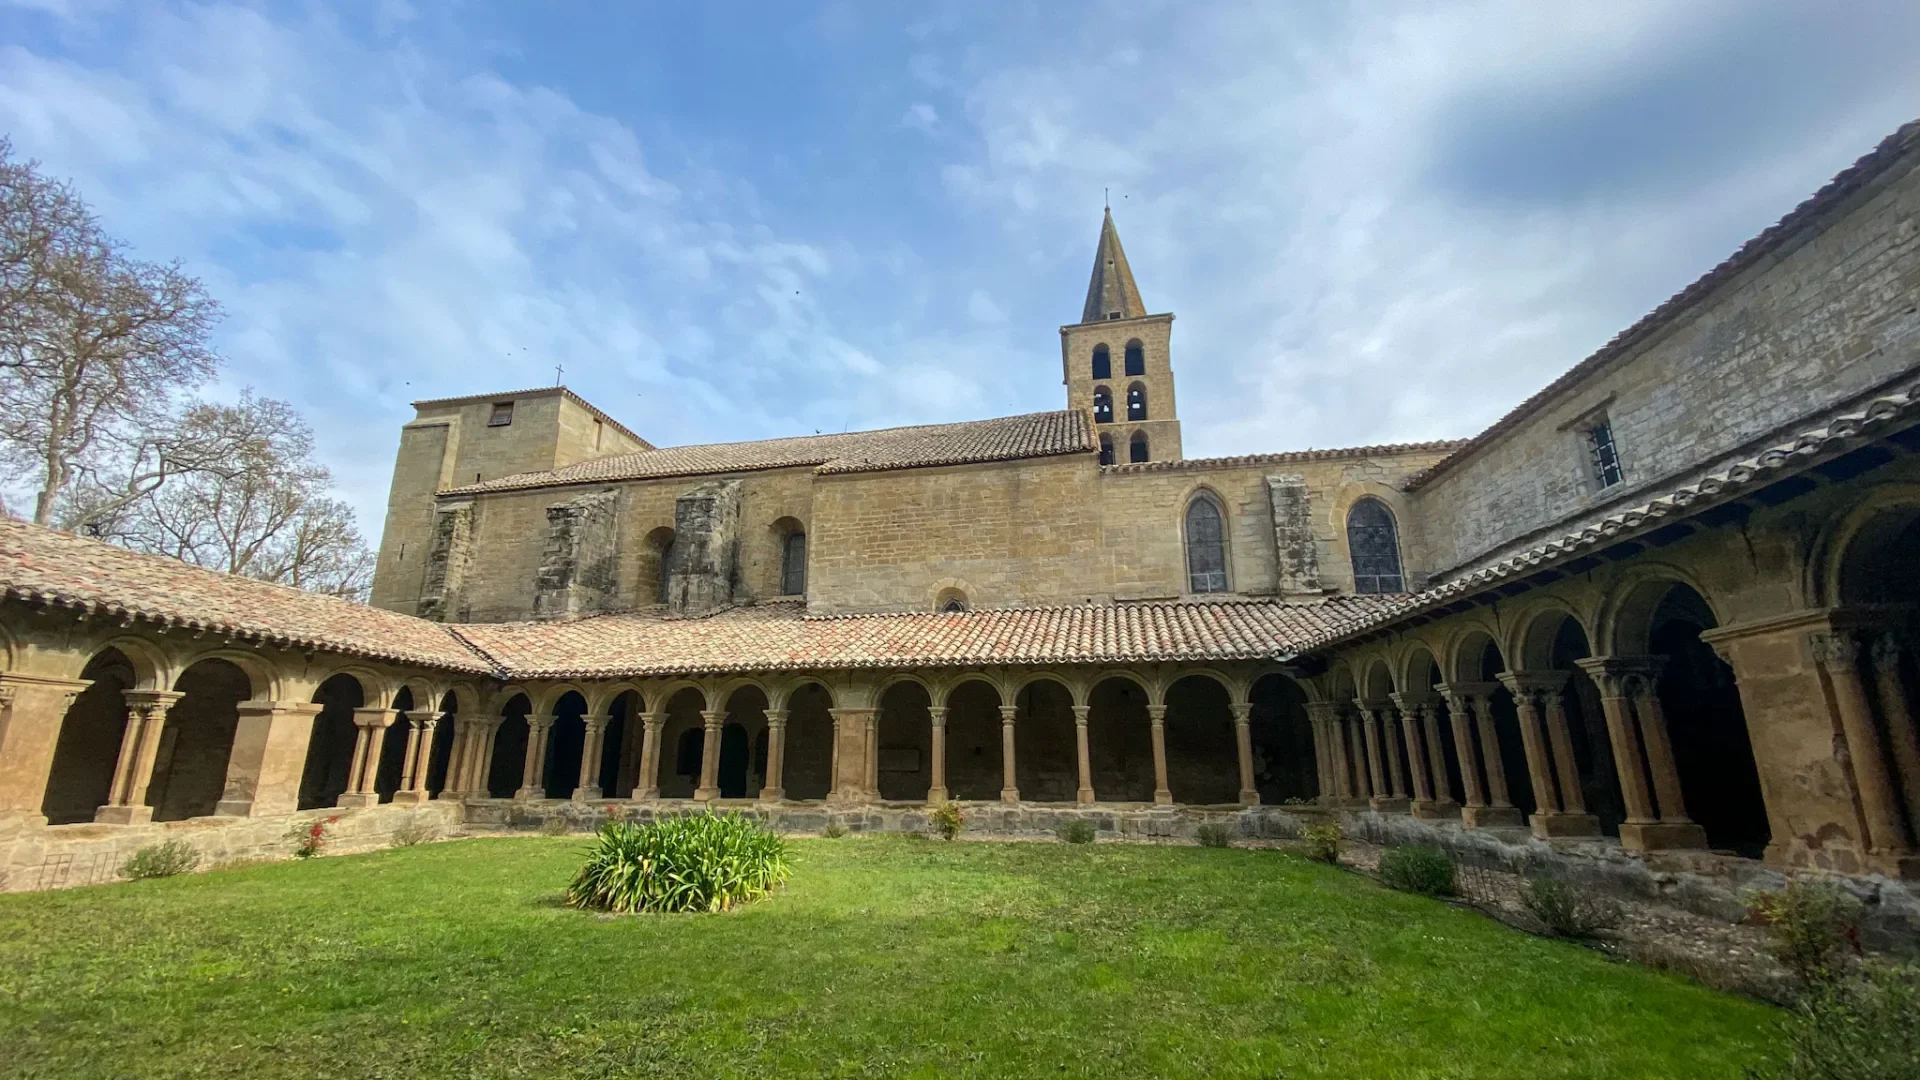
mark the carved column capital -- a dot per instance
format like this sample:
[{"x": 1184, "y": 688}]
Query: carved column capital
[
  {"x": 776, "y": 718},
  {"x": 937, "y": 714},
  {"x": 595, "y": 722},
  {"x": 1157, "y": 714},
  {"x": 1242, "y": 712},
  {"x": 1009, "y": 713},
  {"x": 375, "y": 718},
  {"x": 713, "y": 718},
  {"x": 1080, "y": 714},
  {"x": 653, "y": 721},
  {"x": 423, "y": 719},
  {"x": 150, "y": 703}
]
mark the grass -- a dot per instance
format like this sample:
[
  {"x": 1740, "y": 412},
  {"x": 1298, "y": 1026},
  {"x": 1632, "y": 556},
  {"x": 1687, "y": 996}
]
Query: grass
[{"x": 882, "y": 957}]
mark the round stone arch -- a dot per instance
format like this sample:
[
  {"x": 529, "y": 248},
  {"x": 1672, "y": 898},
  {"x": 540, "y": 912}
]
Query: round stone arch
[
  {"x": 1418, "y": 666},
  {"x": 1862, "y": 542},
  {"x": 263, "y": 678},
  {"x": 504, "y": 696},
  {"x": 153, "y": 667},
  {"x": 1531, "y": 633},
  {"x": 935, "y": 690},
  {"x": 1200, "y": 736},
  {"x": 1375, "y": 682},
  {"x": 1344, "y": 498},
  {"x": 1466, "y": 653},
  {"x": 549, "y": 697},
  {"x": 951, "y": 589},
  {"x": 1046, "y": 760},
  {"x": 377, "y": 691},
  {"x": 424, "y": 693},
  {"x": 1627, "y": 609},
  {"x": 467, "y": 698},
  {"x": 1341, "y": 683},
  {"x": 603, "y": 697}
]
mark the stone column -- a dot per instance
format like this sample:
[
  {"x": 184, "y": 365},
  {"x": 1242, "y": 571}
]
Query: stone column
[
  {"x": 1460, "y": 718},
  {"x": 369, "y": 738},
  {"x": 1472, "y": 707},
  {"x": 139, "y": 742},
  {"x": 1634, "y": 727},
  {"x": 648, "y": 786},
  {"x": 1322, "y": 714},
  {"x": 937, "y": 791},
  {"x": 32, "y": 709},
  {"x": 533, "y": 777},
  {"x": 1666, "y": 774},
  {"x": 1009, "y": 787},
  {"x": 591, "y": 752},
  {"x": 1410, "y": 707},
  {"x": 1085, "y": 794},
  {"x": 489, "y": 731},
  {"x": 872, "y": 752},
  {"x": 775, "y": 788},
  {"x": 1537, "y": 697},
  {"x": 1839, "y": 654},
  {"x": 1533, "y": 740},
  {"x": 709, "y": 788},
  {"x": 269, "y": 755},
  {"x": 1157, "y": 723},
  {"x": 1363, "y": 789},
  {"x": 1243, "y": 742},
  {"x": 419, "y": 754},
  {"x": 457, "y": 758},
  {"x": 1444, "y": 804},
  {"x": 1370, "y": 732},
  {"x": 1573, "y": 797},
  {"x": 852, "y": 735},
  {"x": 1902, "y": 738}
]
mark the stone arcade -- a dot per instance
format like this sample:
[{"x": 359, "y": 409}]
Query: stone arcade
[{"x": 1662, "y": 610}]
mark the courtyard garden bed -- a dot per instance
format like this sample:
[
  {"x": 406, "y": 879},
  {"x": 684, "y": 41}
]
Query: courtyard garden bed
[{"x": 882, "y": 956}]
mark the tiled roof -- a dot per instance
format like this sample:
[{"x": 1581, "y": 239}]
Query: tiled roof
[
  {"x": 1002, "y": 439},
  {"x": 539, "y": 391},
  {"x": 1840, "y": 434},
  {"x": 43, "y": 565},
  {"x": 1288, "y": 457},
  {"x": 778, "y": 637},
  {"x": 1893, "y": 149}
]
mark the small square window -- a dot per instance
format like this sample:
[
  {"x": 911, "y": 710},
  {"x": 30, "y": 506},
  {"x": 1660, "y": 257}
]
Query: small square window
[
  {"x": 1604, "y": 454},
  {"x": 502, "y": 414},
  {"x": 1113, "y": 316}
]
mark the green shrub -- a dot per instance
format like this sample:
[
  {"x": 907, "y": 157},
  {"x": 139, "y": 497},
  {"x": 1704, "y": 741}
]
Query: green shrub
[
  {"x": 1076, "y": 831},
  {"x": 1815, "y": 925},
  {"x": 161, "y": 860},
  {"x": 688, "y": 862},
  {"x": 1214, "y": 834},
  {"x": 1859, "y": 1027},
  {"x": 834, "y": 830},
  {"x": 1417, "y": 869},
  {"x": 1321, "y": 843},
  {"x": 414, "y": 830},
  {"x": 947, "y": 820},
  {"x": 1567, "y": 910}
]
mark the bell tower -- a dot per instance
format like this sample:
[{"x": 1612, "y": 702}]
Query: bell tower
[{"x": 1116, "y": 362}]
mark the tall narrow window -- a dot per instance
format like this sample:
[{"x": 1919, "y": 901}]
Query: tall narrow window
[
  {"x": 1136, "y": 358},
  {"x": 1137, "y": 448},
  {"x": 1605, "y": 455},
  {"x": 793, "y": 564},
  {"x": 1206, "y": 547},
  {"x": 1373, "y": 542},
  {"x": 1102, "y": 362},
  {"x": 1136, "y": 402},
  {"x": 1106, "y": 449},
  {"x": 1102, "y": 405}
]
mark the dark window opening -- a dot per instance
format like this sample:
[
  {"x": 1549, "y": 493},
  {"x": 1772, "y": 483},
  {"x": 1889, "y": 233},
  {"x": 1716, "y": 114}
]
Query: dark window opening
[
  {"x": 1206, "y": 547},
  {"x": 1113, "y": 316},
  {"x": 1605, "y": 455},
  {"x": 502, "y": 414},
  {"x": 1136, "y": 358},
  {"x": 954, "y": 604},
  {"x": 688, "y": 752},
  {"x": 1373, "y": 542},
  {"x": 793, "y": 564},
  {"x": 1137, "y": 449},
  {"x": 1106, "y": 449},
  {"x": 1102, "y": 363},
  {"x": 1136, "y": 402},
  {"x": 1102, "y": 405}
]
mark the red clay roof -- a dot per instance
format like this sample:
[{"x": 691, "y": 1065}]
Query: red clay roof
[{"x": 1286, "y": 457}]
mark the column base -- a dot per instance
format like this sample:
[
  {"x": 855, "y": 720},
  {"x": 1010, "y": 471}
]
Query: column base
[
  {"x": 586, "y": 793},
  {"x": 528, "y": 794},
  {"x": 1491, "y": 817},
  {"x": 352, "y": 800},
  {"x": 1389, "y": 804},
  {"x": 409, "y": 798},
  {"x": 651, "y": 794},
  {"x": 938, "y": 796},
  {"x": 1010, "y": 796},
  {"x": 1662, "y": 836},
  {"x": 705, "y": 794},
  {"x": 1084, "y": 796},
  {"x": 1904, "y": 866},
  {"x": 1436, "y": 810},
  {"x": 1163, "y": 798},
  {"x": 1547, "y": 825},
  {"x": 773, "y": 794},
  {"x": 1248, "y": 797},
  {"x": 124, "y": 815}
]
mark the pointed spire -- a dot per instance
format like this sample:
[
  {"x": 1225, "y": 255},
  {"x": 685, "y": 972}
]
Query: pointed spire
[{"x": 1112, "y": 288}]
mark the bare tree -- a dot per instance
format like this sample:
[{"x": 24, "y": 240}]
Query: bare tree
[
  {"x": 97, "y": 350},
  {"x": 266, "y": 513}
]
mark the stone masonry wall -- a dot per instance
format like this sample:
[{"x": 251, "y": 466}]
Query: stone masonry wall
[
  {"x": 706, "y": 546},
  {"x": 580, "y": 561}
]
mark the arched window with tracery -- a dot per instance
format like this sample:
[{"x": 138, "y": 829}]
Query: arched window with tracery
[
  {"x": 1373, "y": 542},
  {"x": 1137, "y": 449},
  {"x": 1136, "y": 402},
  {"x": 1102, "y": 362},
  {"x": 793, "y": 564},
  {"x": 1206, "y": 546},
  {"x": 1106, "y": 449},
  {"x": 1102, "y": 405},
  {"x": 1136, "y": 358}
]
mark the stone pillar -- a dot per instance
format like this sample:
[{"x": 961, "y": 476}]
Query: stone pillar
[
  {"x": 591, "y": 752},
  {"x": 1902, "y": 737},
  {"x": 1498, "y": 796},
  {"x": 1243, "y": 742},
  {"x": 649, "y": 781},
  {"x": 1157, "y": 723},
  {"x": 1487, "y": 807},
  {"x": 31, "y": 711},
  {"x": 139, "y": 743},
  {"x": 775, "y": 788},
  {"x": 269, "y": 755},
  {"x": 1460, "y": 718},
  {"x": 1410, "y": 707},
  {"x": 1573, "y": 797},
  {"x": 1363, "y": 789},
  {"x": 1085, "y": 794},
  {"x": 937, "y": 791},
  {"x": 1370, "y": 734},
  {"x": 413, "y": 774},
  {"x": 1638, "y": 733},
  {"x": 871, "y": 751},
  {"x": 369, "y": 736},
  {"x": 457, "y": 758},
  {"x": 852, "y": 735},
  {"x": 533, "y": 778},
  {"x": 1444, "y": 804},
  {"x": 1839, "y": 654},
  {"x": 1009, "y": 787},
  {"x": 1538, "y": 700},
  {"x": 1383, "y": 765},
  {"x": 709, "y": 788},
  {"x": 1323, "y": 716}
]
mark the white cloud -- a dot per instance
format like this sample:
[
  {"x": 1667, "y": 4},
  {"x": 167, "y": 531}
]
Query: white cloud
[
  {"x": 982, "y": 308},
  {"x": 922, "y": 117}
]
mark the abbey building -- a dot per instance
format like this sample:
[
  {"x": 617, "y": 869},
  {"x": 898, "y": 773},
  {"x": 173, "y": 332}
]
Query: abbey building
[{"x": 1662, "y": 609}]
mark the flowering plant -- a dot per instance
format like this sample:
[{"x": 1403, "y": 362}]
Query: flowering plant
[{"x": 308, "y": 841}]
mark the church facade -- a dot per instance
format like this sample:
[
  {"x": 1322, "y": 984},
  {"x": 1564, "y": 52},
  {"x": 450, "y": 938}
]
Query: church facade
[{"x": 1663, "y": 607}]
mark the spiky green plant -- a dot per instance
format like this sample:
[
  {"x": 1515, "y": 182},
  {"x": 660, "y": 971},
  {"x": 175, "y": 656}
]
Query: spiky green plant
[{"x": 688, "y": 862}]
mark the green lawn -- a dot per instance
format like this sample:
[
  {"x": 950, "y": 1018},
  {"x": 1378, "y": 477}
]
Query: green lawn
[{"x": 884, "y": 957}]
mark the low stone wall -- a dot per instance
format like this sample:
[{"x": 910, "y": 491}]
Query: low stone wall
[{"x": 63, "y": 856}]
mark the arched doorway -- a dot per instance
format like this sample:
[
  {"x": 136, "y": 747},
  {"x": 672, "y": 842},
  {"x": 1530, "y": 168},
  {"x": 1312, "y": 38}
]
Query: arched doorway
[
  {"x": 1443, "y": 752},
  {"x": 1284, "y": 769},
  {"x": 1046, "y": 756},
  {"x": 1203, "y": 762},
  {"x": 620, "y": 754},
  {"x": 1876, "y": 582},
  {"x": 807, "y": 768},
  {"x": 1504, "y": 763},
  {"x": 682, "y": 744},
  {"x": 441, "y": 755},
  {"x": 742, "y": 770},
  {"x": 1120, "y": 741},
  {"x": 906, "y": 742},
  {"x": 392, "y": 748},
  {"x": 1712, "y": 751},
  {"x": 509, "y": 763},
  {"x": 330, "y": 746},
  {"x": 190, "y": 770},
  {"x": 80, "y": 780},
  {"x": 973, "y": 741},
  {"x": 560, "y": 773}
]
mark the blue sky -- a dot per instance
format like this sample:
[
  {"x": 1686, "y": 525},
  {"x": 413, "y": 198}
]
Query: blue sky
[{"x": 736, "y": 220}]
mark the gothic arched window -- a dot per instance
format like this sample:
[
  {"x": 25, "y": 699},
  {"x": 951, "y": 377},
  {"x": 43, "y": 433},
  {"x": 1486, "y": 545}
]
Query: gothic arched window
[
  {"x": 1106, "y": 449},
  {"x": 1373, "y": 542},
  {"x": 1206, "y": 546},
  {"x": 1102, "y": 405},
  {"x": 793, "y": 564},
  {"x": 1136, "y": 402},
  {"x": 1102, "y": 363},
  {"x": 1137, "y": 449},
  {"x": 1136, "y": 358}
]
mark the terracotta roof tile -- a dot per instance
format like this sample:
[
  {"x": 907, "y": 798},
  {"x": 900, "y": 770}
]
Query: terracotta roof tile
[
  {"x": 1287, "y": 457},
  {"x": 1005, "y": 438}
]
